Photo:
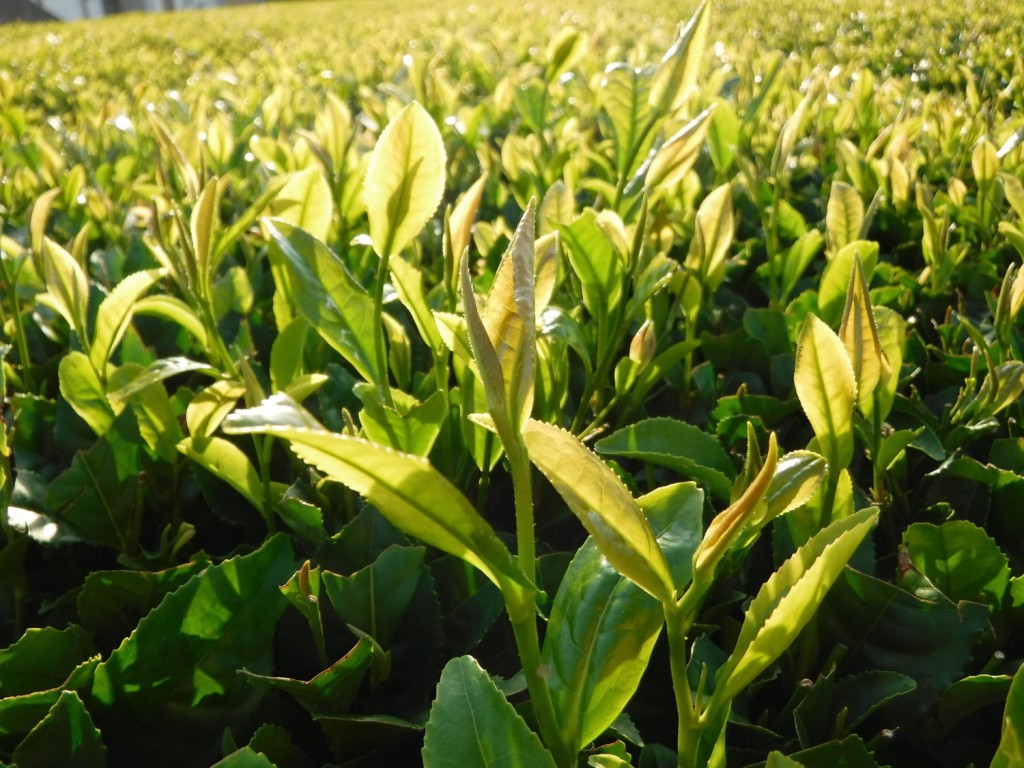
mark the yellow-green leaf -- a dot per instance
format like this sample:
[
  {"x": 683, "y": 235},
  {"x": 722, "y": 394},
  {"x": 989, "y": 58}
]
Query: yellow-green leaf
[
  {"x": 843, "y": 216},
  {"x": 226, "y": 461},
  {"x": 210, "y": 405},
  {"x": 788, "y": 600},
  {"x": 305, "y": 201},
  {"x": 827, "y": 389},
  {"x": 406, "y": 489},
  {"x": 175, "y": 310},
  {"x": 508, "y": 316},
  {"x": 860, "y": 337},
  {"x": 891, "y": 335},
  {"x": 985, "y": 163},
  {"x": 603, "y": 504},
  {"x": 68, "y": 287},
  {"x": 81, "y": 387},
  {"x": 712, "y": 239},
  {"x": 676, "y": 156},
  {"x": 204, "y": 219},
  {"x": 1011, "y": 744},
  {"x": 405, "y": 180},
  {"x": 676, "y": 76},
  {"x": 115, "y": 313},
  {"x": 727, "y": 525}
]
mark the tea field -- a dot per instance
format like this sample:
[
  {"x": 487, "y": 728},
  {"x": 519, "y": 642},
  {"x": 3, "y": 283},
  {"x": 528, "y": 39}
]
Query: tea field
[{"x": 512, "y": 383}]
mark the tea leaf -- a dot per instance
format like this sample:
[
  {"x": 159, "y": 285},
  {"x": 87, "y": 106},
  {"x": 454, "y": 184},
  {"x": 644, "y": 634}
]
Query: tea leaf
[
  {"x": 68, "y": 287},
  {"x": 405, "y": 179},
  {"x": 625, "y": 97},
  {"x": 472, "y": 725},
  {"x": 690, "y": 451},
  {"x": 960, "y": 560},
  {"x": 844, "y": 216},
  {"x": 66, "y": 736},
  {"x": 1010, "y": 753},
  {"x": 204, "y": 219},
  {"x": 115, "y": 313},
  {"x": 712, "y": 238},
  {"x": 305, "y": 203},
  {"x": 209, "y": 407},
  {"x": 508, "y": 318},
  {"x": 187, "y": 652},
  {"x": 860, "y": 336},
  {"x": 157, "y": 371},
  {"x": 332, "y": 691},
  {"x": 788, "y": 600},
  {"x": 984, "y": 163},
  {"x": 676, "y": 76},
  {"x": 835, "y": 280},
  {"x": 374, "y": 599},
  {"x": 674, "y": 159},
  {"x": 600, "y": 635},
  {"x": 98, "y": 494},
  {"x": 596, "y": 263},
  {"x": 327, "y": 296},
  {"x": 602, "y": 503},
  {"x": 603, "y": 627},
  {"x": 175, "y": 310},
  {"x": 408, "y": 284},
  {"x": 409, "y": 492},
  {"x": 84, "y": 392},
  {"x": 42, "y": 658},
  {"x": 827, "y": 390},
  {"x": 228, "y": 462}
]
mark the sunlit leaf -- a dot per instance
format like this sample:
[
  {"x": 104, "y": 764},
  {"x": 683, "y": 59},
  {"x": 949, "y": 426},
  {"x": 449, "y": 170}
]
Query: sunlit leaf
[
  {"x": 827, "y": 389},
  {"x": 305, "y": 203},
  {"x": 788, "y": 600},
  {"x": 409, "y": 492},
  {"x": 860, "y": 336},
  {"x": 405, "y": 180},
  {"x": 843, "y": 216},
  {"x": 115, "y": 313},
  {"x": 602, "y": 503}
]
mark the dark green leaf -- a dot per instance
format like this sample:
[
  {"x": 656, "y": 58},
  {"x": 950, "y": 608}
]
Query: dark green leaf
[
  {"x": 675, "y": 444},
  {"x": 374, "y": 599},
  {"x": 184, "y": 656},
  {"x": 960, "y": 559},
  {"x": 66, "y": 737},
  {"x": 888, "y": 628},
  {"x": 471, "y": 725},
  {"x": 331, "y": 692},
  {"x": 42, "y": 659}
]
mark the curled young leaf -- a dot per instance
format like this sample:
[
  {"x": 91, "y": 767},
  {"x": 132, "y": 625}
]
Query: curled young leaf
[
  {"x": 728, "y": 525},
  {"x": 860, "y": 337}
]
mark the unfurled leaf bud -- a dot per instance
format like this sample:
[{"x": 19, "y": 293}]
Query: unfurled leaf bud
[{"x": 644, "y": 344}]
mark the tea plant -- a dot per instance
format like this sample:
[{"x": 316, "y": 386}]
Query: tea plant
[{"x": 513, "y": 385}]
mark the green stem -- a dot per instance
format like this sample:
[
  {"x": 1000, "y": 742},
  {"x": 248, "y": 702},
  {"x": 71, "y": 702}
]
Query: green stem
[
  {"x": 19, "y": 329},
  {"x": 771, "y": 244},
  {"x": 524, "y": 629},
  {"x": 519, "y": 461},
  {"x": 523, "y": 619},
  {"x": 265, "y": 447},
  {"x": 878, "y": 471},
  {"x": 678, "y": 622},
  {"x": 379, "y": 340}
]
